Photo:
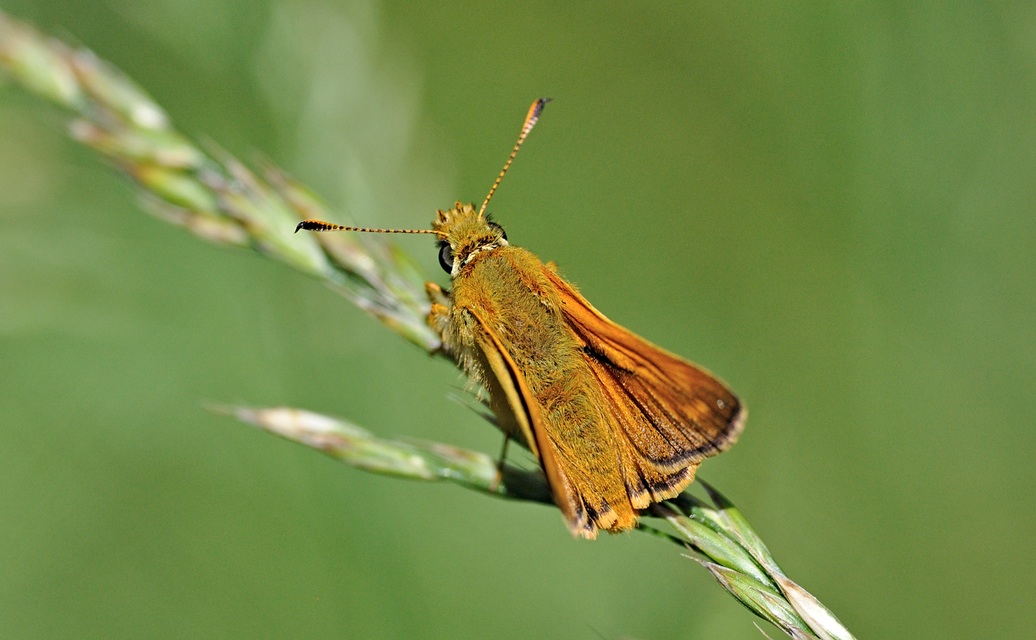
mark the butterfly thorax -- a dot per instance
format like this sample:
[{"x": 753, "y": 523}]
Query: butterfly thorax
[{"x": 503, "y": 285}]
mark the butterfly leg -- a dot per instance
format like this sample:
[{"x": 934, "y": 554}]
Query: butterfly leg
[
  {"x": 499, "y": 477},
  {"x": 436, "y": 294},
  {"x": 439, "y": 314}
]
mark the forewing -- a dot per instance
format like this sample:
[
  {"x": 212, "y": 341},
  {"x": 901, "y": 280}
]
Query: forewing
[{"x": 672, "y": 413}]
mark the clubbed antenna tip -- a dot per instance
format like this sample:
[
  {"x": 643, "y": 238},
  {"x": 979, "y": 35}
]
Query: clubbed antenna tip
[{"x": 530, "y": 121}]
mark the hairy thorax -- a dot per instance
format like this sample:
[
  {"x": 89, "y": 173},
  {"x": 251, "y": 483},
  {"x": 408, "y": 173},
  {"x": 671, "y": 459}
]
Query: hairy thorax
[{"x": 506, "y": 288}]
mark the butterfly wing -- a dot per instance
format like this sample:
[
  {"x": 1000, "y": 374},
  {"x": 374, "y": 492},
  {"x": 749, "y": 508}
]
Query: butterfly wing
[
  {"x": 636, "y": 420},
  {"x": 669, "y": 412}
]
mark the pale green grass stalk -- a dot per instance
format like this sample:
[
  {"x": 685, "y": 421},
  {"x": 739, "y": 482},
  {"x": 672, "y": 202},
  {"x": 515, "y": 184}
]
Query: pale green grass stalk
[{"x": 217, "y": 198}]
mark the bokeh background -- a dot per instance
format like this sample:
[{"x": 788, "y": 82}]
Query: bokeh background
[{"x": 830, "y": 206}]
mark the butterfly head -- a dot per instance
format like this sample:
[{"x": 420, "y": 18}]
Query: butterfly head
[{"x": 464, "y": 233}]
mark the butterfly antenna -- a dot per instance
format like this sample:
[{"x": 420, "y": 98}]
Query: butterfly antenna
[
  {"x": 320, "y": 225},
  {"x": 530, "y": 121}
]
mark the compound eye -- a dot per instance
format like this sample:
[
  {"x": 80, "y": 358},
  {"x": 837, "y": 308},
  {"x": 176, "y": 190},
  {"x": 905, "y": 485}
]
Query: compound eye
[
  {"x": 446, "y": 258},
  {"x": 503, "y": 234}
]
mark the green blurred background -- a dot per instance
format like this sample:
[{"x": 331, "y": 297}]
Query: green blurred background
[{"x": 830, "y": 206}]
